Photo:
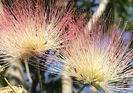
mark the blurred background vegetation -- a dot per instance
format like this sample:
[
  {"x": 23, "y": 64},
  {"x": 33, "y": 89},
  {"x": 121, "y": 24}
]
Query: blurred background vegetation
[{"x": 115, "y": 9}]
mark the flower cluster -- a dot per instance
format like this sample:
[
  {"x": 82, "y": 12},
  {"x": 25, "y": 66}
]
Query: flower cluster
[
  {"x": 99, "y": 58},
  {"x": 30, "y": 28}
]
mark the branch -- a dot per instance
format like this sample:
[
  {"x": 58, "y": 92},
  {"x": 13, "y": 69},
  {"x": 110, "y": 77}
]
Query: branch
[
  {"x": 66, "y": 84},
  {"x": 97, "y": 14}
]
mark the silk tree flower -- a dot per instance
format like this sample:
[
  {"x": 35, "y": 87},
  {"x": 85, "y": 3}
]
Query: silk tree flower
[
  {"x": 100, "y": 58},
  {"x": 28, "y": 27}
]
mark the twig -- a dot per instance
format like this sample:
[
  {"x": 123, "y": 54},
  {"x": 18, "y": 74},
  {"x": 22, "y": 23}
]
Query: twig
[
  {"x": 28, "y": 71},
  {"x": 10, "y": 85},
  {"x": 81, "y": 89},
  {"x": 39, "y": 76}
]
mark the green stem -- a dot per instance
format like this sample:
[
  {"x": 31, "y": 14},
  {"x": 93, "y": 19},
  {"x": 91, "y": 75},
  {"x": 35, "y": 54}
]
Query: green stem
[
  {"x": 81, "y": 89},
  {"x": 10, "y": 85},
  {"x": 39, "y": 76}
]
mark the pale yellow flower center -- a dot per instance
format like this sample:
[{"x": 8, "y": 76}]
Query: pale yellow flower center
[{"x": 29, "y": 50}]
